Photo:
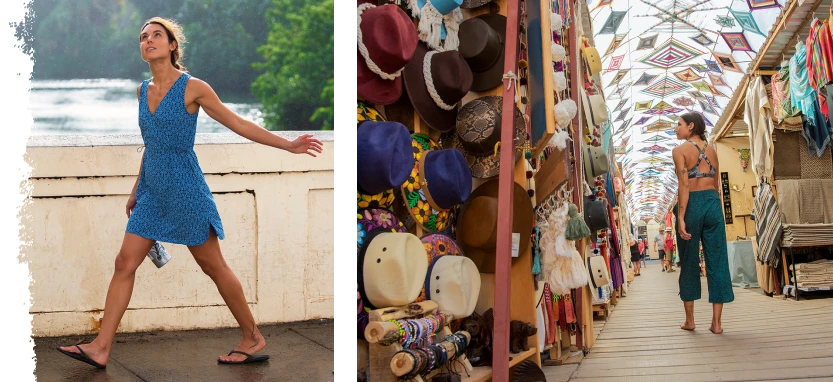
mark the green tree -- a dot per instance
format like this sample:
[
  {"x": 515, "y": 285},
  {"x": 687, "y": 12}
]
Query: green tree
[{"x": 296, "y": 88}]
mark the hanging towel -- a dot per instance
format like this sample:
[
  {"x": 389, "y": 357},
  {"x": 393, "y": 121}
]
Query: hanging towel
[{"x": 768, "y": 229}]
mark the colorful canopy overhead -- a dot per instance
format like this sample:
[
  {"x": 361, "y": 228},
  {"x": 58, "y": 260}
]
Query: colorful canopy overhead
[{"x": 665, "y": 58}]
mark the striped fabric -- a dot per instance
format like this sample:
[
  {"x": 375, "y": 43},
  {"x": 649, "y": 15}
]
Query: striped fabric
[{"x": 768, "y": 227}]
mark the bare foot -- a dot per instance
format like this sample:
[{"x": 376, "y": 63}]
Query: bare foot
[
  {"x": 687, "y": 326},
  {"x": 249, "y": 344},
  {"x": 96, "y": 353},
  {"x": 715, "y": 330}
]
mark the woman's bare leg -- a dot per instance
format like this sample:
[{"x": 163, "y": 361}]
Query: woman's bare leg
[
  {"x": 133, "y": 251},
  {"x": 211, "y": 260},
  {"x": 689, "y": 316},
  {"x": 717, "y": 312}
]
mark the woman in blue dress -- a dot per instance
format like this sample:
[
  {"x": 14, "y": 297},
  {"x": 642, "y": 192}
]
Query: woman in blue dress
[{"x": 171, "y": 201}]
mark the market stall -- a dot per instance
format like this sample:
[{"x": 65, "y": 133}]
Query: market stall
[
  {"x": 474, "y": 251},
  {"x": 782, "y": 111}
]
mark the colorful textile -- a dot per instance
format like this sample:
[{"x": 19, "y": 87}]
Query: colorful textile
[
  {"x": 781, "y": 101},
  {"x": 804, "y": 97},
  {"x": 819, "y": 53},
  {"x": 768, "y": 229}
]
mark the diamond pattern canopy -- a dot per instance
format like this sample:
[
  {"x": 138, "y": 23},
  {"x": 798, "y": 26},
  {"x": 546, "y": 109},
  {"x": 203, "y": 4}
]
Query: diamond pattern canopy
[{"x": 679, "y": 56}]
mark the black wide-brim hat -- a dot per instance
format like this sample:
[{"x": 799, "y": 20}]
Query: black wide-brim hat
[
  {"x": 452, "y": 79},
  {"x": 484, "y": 49}
]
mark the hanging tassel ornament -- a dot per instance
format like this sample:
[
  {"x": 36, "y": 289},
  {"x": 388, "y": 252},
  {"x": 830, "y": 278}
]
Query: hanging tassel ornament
[
  {"x": 556, "y": 22},
  {"x": 559, "y": 81},
  {"x": 559, "y": 139},
  {"x": 558, "y": 52},
  {"x": 577, "y": 229},
  {"x": 564, "y": 112}
]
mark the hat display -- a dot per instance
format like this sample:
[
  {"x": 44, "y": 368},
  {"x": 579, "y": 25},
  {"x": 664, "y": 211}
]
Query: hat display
[
  {"x": 478, "y": 132},
  {"x": 595, "y": 162},
  {"x": 436, "y": 82},
  {"x": 599, "y": 275},
  {"x": 436, "y": 245},
  {"x": 369, "y": 219},
  {"x": 384, "y": 156},
  {"x": 386, "y": 43},
  {"x": 391, "y": 269},
  {"x": 439, "y": 180},
  {"x": 453, "y": 282},
  {"x": 366, "y": 112},
  {"x": 477, "y": 225},
  {"x": 481, "y": 45}
]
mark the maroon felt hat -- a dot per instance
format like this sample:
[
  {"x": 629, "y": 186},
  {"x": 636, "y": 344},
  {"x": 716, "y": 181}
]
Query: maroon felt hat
[
  {"x": 451, "y": 78},
  {"x": 385, "y": 45}
]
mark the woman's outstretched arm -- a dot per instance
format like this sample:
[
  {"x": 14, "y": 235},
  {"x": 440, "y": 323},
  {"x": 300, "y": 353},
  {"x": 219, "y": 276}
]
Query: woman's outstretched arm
[{"x": 210, "y": 102}]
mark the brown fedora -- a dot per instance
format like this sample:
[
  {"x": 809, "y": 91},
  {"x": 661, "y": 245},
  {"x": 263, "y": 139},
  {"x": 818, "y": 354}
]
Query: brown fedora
[
  {"x": 478, "y": 131},
  {"x": 477, "y": 225},
  {"x": 450, "y": 78},
  {"x": 386, "y": 44},
  {"x": 481, "y": 44}
]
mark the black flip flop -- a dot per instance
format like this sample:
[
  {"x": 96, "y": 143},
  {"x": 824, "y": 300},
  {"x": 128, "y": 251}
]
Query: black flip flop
[
  {"x": 249, "y": 358},
  {"x": 83, "y": 357}
]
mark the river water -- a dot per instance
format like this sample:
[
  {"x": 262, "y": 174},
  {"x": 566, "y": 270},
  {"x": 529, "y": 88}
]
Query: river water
[{"x": 109, "y": 106}]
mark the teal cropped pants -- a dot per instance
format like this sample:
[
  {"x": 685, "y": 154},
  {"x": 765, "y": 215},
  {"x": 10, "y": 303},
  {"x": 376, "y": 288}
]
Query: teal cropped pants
[{"x": 704, "y": 221}]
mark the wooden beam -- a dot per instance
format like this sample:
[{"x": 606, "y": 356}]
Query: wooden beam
[{"x": 506, "y": 187}]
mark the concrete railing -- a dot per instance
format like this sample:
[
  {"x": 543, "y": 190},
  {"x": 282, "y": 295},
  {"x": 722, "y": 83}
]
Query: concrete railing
[{"x": 276, "y": 208}]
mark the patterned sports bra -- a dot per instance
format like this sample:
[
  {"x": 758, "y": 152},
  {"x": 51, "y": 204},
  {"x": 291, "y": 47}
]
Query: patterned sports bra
[{"x": 694, "y": 173}]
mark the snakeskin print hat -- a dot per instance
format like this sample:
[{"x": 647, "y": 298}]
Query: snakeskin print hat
[
  {"x": 477, "y": 225},
  {"x": 474, "y": 3},
  {"x": 386, "y": 43},
  {"x": 436, "y": 82},
  {"x": 478, "y": 133}
]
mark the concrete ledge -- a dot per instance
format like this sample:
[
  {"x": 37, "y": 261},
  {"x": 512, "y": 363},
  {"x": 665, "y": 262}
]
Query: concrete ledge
[{"x": 91, "y": 140}]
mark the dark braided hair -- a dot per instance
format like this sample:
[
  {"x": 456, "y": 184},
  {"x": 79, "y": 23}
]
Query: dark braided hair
[{"x": 697, "y": 120}]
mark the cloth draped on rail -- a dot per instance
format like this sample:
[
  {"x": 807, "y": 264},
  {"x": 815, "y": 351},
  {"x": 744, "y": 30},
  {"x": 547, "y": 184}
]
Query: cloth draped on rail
[
  {"x": 768, "y": 228},
  {"x": 758, "y": 116}
]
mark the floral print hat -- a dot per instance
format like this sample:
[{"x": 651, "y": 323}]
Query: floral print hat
[
  {"x": 369, "y": 219},
  {"x": 447, "y": 175}
]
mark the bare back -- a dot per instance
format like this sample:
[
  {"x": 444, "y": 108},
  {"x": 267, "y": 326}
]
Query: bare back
[{"x": 691, "y": 153}]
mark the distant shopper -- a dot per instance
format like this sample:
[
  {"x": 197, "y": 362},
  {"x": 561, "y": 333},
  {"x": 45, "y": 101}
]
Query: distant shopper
[
  {"x": 636, "y": 256},
  {"x": 699, "y": 214},
  {"x": 659, "y": 247},
  {"x": 668, "y": 246}
]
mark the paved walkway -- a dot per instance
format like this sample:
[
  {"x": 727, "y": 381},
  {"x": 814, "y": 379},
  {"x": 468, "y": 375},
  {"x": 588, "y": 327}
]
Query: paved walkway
[
  {"x": 764, "y": 338},
  {"x": 301, "y": 351}
]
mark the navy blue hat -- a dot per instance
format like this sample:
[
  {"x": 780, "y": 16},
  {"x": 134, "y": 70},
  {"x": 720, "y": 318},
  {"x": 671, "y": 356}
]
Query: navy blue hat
[
  {"x": 446, "y": 178},
  {"x": 384, "y": 156}
]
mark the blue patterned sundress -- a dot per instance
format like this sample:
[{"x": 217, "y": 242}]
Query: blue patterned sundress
[{"x": 173, "y": 201}]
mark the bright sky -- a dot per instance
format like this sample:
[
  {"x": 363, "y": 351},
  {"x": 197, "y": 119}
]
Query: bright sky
[{"x": 663, "y": 58}]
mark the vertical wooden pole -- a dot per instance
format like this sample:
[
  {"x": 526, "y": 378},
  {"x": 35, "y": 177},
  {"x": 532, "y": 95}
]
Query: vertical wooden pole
[{"x": 503, "y": 266}]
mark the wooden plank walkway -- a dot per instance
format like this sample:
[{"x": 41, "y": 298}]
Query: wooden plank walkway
[{"x": 764, "y": 338}]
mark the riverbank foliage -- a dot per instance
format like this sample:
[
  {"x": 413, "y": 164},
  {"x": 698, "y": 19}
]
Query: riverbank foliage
[{"x": 232, "y": 44}]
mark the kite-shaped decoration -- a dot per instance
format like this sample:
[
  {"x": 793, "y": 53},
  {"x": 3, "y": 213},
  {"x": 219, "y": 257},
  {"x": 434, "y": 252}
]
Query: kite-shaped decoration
[
  {"x": 645, "y": 79},
  {"x": 727, "y": 62},
  {"x": 687, "y": 75},
  {"x": 702, "y": 86},
  {"x": 622, "y": 115},
  {"x": 662, "y": 105},
  {"x": 659, "y": 126},
  {"x": 712, "y": 101},
  {"x": 613, "y": 21},
  {"x": 656, "y": 139},
  {"x": 602, "y": 3},
  {"x": 736, "y": 41},
  {"x": 683, "y": 101},
  {"x": 645, "y": 105},
  {"x": 614, "y": 44},
  {"x": 746, "y": 21},
  {"x": 700, "y": 68},
  {"x": 619, "y": 76},
  {"x": 665, "y": 87},
  {"x": 671, "y": 53},
  {"x": 707, "y": 108},
  {"x": 708, "y": 123},
  {"x": 717, "y": 80},
  {"x": 642, "y": 120},
  {"x": 696, "y": 94},
  {"x": 713, "y": 66},
  {"x": 703, "y": 40},
  {"x": 716, "y": 92},
  {"x": 647, "y": 42},
  {"x": 762, "y": 4},
  {"x": 725, "y": 21},
  {"x": 656, "y": 112},
  {"x": 620, "y": 104},
  {"x": 615, "y": 63}
]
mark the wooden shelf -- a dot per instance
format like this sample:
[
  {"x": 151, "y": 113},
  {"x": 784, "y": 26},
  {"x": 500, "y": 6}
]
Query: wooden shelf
[{"x": 484, "y": 373}]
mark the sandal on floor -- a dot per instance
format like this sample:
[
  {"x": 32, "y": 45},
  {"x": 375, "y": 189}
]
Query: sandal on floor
[
  {"x": 83, "y": 357},
  {"x": 249, "y": 358}
]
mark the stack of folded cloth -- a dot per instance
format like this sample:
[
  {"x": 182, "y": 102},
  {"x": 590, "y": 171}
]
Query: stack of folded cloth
[
  {"x": 807, "y": 235},
  {"x": 815, "y": 274}
]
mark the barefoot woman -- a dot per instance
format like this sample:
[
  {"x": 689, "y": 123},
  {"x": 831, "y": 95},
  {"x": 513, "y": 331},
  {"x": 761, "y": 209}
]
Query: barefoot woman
[
  {"x": 170, "y": 201},
  {"x": 701, "y": 209}
]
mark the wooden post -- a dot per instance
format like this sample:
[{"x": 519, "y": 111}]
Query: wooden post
[{"x": 500, "y": 357}]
